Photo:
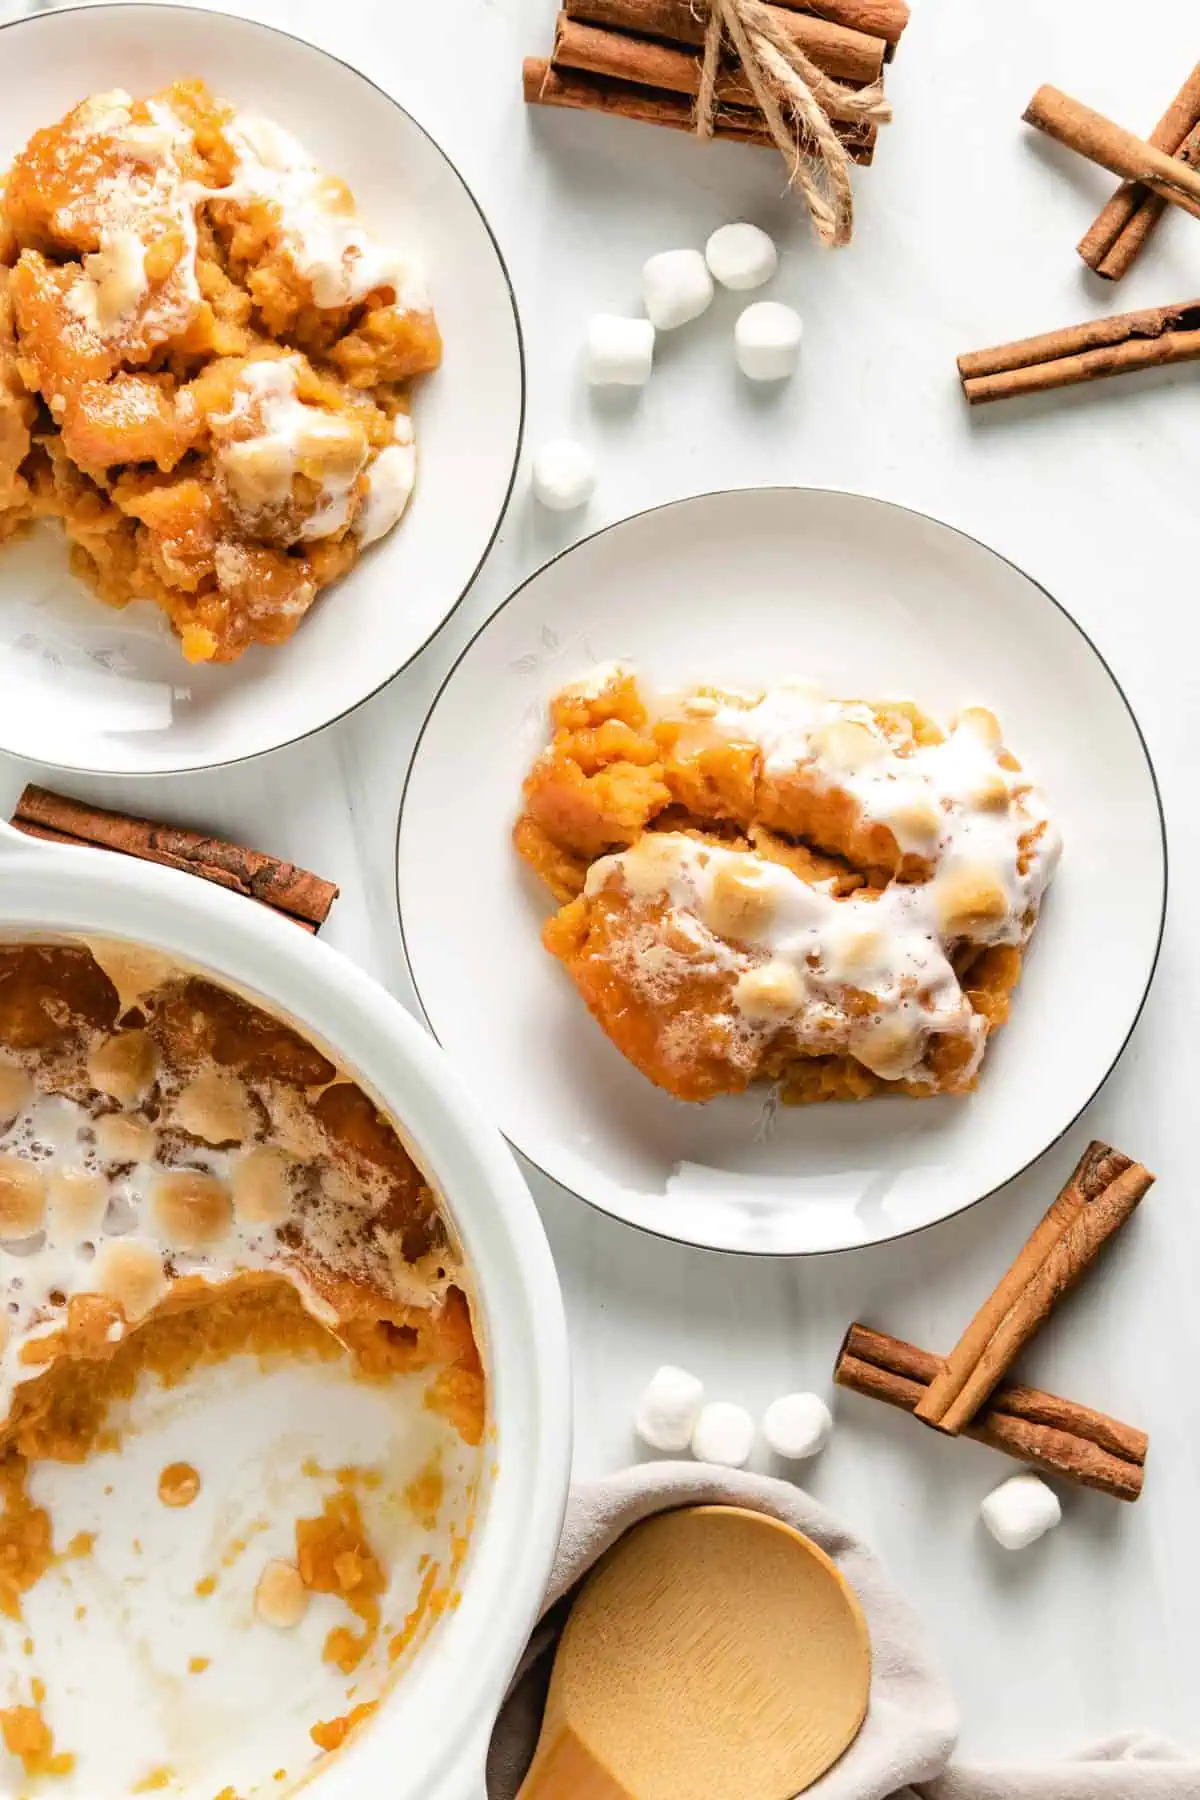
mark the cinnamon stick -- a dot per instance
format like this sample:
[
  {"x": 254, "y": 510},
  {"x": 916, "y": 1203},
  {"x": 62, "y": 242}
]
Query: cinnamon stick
[
  {"x": 617, "y": 56},
  {"x": 547, "y": 86},
  {"x": 1102, "y": 1194},
  {"x": 614, "y": 54},
  {"x": 1101, "y": 141},
  {"x": 1097, "y": 348},
  {"x": 1057, "y": 1436},
  {"x": 881, "y": 18},
  {"x": 855, "y": 56},
  {"x": 302, "y": 896},
  {"x": 1128, "y": 244},
  {"x": 1114, "y": 239}
]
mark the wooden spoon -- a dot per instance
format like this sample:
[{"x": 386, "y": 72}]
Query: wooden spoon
[{"x": 715, "y": 1654}]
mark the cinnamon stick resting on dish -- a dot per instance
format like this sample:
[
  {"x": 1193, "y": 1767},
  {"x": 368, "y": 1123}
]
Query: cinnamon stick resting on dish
[
  {"x": 1057, "y": 1436},
  {"x": 59, "y": 819},
  {"x": 1097, "y": 348},
  {"x": 1104, "y": 1191},
  {"x": 1116, "y": 236}
]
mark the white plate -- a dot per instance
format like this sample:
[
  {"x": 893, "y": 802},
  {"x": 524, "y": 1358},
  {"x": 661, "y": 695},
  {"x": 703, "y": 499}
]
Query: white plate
[
  {"x": 86, "y": 688},
  {"x": 752, "y": 586}
]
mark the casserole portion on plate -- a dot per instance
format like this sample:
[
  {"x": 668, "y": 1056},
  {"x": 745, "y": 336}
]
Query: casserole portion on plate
[
  {"x": 205, "y": 363},
  {"x": 832, "y": 895}
]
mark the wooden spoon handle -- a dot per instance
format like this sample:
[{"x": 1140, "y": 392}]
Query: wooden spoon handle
[{"x": 564, "y": 1769}]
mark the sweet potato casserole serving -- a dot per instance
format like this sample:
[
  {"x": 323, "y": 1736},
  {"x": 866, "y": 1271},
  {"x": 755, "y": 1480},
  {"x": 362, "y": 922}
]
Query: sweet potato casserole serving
[
  {"x": 185, "y": 1179},
  {"x": 833, "y": 895},
  {"x": 204, "y": 364}
]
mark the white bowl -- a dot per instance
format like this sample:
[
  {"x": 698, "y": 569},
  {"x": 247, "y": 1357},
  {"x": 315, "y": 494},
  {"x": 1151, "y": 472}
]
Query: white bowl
[
  {"x": 87, "y": 688},
  {"x": 749, "y": 587},
  {"x": 431, "y": 1731}
]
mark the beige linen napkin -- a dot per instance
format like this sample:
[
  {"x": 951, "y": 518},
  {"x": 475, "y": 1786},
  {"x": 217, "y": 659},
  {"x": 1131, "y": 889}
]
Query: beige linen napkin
[
  {"x": 1133, "y": 1766},
  {"x": 903, "y": 1750}
]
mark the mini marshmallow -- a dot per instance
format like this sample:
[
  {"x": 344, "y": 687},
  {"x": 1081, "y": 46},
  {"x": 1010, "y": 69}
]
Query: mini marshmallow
[
  {"x": 741, "y": 256},
  {"x": 564, "y": 475},
  {"x": 797, "y": 1425},
  {"x": 668, "y": 1409},
  {"x": 1020, "y": 1510},
  {"x": 620, "y": 352},
  {"x": 723, "y": 1434},
  {"x": 281, "y": 1598},
  {"x": 767, "y": 341},
  {"x": 676, "y": 288}
]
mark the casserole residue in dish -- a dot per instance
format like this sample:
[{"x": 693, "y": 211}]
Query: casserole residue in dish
[{"x": 241, "y": 1399}]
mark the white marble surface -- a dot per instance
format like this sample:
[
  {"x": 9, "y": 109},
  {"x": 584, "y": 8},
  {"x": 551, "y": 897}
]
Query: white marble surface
[{"x": 966, "y": 232}]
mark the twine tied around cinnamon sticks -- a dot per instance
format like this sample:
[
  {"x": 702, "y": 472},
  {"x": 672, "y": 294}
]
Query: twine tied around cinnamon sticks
[{"x": 798, "y": 102}]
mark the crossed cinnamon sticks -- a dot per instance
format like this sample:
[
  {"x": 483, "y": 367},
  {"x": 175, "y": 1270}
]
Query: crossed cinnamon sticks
[
  {"x": 1082, "y": 129},
  {"x": 1117, "y": 235},
  {"x": 966, "y": 1392}
]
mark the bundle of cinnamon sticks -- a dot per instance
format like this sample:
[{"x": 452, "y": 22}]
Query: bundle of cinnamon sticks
[{"x": 641, "y": 59}]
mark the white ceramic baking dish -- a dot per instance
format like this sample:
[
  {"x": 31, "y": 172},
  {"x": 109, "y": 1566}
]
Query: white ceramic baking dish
[{"x": 429, "y": 1736}]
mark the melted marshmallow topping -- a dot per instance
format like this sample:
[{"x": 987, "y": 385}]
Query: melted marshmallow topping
[
  {"x": 119, "y": 1175},
  {"x": 390, "y": 481},
  {"x": 328, "y": 244},
  {"x": 145, "y": 200},
  {"x": 324, "y": 238},
  {"x": 279, "y": 436},
  {"x": 113, "y": 300},
  {"x": 793, "y": 947},
  {"x": 954, "y": 799}
]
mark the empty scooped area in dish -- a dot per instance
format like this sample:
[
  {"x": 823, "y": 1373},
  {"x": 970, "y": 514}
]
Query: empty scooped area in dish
[{"x": 155, "y": 1616}]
